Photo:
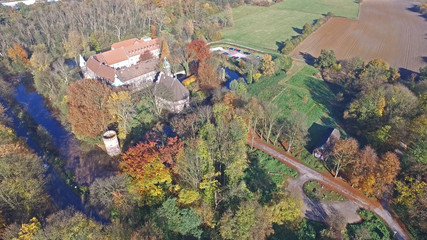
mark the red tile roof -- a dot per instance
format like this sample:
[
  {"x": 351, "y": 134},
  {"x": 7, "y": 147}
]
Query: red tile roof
[
  {"x": 123, "y": 50},
  {"x": 101, "y": 70}
]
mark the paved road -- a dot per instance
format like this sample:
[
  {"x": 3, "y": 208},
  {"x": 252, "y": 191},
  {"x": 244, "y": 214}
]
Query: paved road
[{"x": 334, "y": 184}]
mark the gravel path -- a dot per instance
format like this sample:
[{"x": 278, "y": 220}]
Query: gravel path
[
  {"x": 334, "y": 184},
  {"x": 319, "y": 210}
]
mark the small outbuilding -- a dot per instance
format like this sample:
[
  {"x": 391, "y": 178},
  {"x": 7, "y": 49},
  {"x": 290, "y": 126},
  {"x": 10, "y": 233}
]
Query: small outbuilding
[{"x": 327, "y": 142}]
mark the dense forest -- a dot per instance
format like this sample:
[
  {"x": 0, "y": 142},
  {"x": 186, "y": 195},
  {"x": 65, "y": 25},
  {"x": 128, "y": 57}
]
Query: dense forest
[{"x": 192, "y": 175}]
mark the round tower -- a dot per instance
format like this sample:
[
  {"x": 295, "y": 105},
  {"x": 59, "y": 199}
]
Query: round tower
[{"x": 111, "y": 143}]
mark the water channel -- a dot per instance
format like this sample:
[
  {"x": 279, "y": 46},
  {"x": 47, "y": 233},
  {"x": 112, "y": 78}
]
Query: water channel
[
  {"x": 232, "y": 75},
  {"x": 33, "y": 104}
]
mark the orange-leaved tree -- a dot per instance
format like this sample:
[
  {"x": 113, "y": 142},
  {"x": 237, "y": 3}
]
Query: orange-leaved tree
[
  {"x": 362, "y": 171},
  {"x": 87, "y": 102},
  {"x": 388, "y": 168},
  {"x": 344, "y": 153},
  {"x": 18, "y": 54},
  {"x": 149, "y": 164},
  {"x": 200, "y": 48},
  {"x": 165, "y": 50}
]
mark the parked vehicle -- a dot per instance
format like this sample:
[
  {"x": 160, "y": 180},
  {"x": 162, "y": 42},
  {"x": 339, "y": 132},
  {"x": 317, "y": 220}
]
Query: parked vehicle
[
  {"x": 225, "y": 53},
  {"x": 247, "y": 53}
]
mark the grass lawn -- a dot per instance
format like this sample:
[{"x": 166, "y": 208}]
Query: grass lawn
[
  {"x": 265, "y": 174},
  {"x": 302, "y": 92},
  {"x": 315, "y": 190},
  {"x": 305, "y": 93},
  {"x": 265, "y": 27}
]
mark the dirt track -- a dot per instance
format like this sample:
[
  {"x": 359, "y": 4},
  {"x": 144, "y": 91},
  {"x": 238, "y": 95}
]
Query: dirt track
[
  {"x": 386, "y": 29},
  {"x": 334, "y": 184}
]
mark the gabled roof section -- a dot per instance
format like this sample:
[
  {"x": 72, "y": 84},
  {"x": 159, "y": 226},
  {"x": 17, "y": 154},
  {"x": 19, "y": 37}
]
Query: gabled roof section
[
  {"x": 101, "y": 70},
  {"x": 115, "y": 56},
  {"x": 122, "y": 51},
  {"x": 137, "y": 70},
  {"x": 125, "y": 43}
]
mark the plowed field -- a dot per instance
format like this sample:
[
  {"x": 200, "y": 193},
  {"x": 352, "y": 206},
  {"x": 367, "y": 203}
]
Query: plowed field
[{"x": 386, "y": 29}]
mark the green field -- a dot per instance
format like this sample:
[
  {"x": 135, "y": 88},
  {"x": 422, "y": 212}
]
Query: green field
[
  {"x": 302, "y": 92},
  {"x": 305, "y": 93},
  {"x": 264, "y": 27}
]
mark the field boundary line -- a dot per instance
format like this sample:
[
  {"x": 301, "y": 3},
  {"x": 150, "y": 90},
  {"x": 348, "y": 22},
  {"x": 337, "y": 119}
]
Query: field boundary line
[
  {"x": 280, "y": 93},
  {"x": 292, "y": 73},
  {"x": 242, "y": 46}
]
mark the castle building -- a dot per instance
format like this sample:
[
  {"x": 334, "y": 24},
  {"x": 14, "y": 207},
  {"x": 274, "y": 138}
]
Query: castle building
[{"x": 123, "y": 66}]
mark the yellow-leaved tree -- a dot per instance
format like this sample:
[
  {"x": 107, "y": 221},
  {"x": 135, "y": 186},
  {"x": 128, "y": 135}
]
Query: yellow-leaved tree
[
  {"x": 122, "y": 110},
  {"x": 28, "y": 230}
]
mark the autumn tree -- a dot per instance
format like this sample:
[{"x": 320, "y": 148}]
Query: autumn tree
[
  {"x": 344, "y": 153},
  {"x": 74, "y": 45},
  {"x": 362, "y": 171},
  {"x": 146, "y": 164},
  {"x": 207, "y": 76},
  {"x": 87, "y": 102},
  {"x": 409, "y": 190},
  {"x": 165, "y": 50},
  {"x": 40, "y": 59},
  {"x": 267, "y": 66},
  {"x": 200, "y": 49},
  {"x": 28, "y": 230},
  {"x": 19, "y": 59},
  {"x": 286, "y": 210},
  {"x": 111, "y": 195},
  {"x": 389, "y": 166},
  {"x": 122, "y": 109},
  {"x": 18, "y": 54},
  {"x": 381, "y": 112}
]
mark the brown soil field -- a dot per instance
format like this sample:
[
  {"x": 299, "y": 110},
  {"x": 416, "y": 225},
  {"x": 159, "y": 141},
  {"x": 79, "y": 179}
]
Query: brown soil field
[{"x": 388, "y": 29}]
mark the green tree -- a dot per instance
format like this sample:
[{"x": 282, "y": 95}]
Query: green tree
[
  {"x": 94, "y": 43},
  {"x": 174, "y": 220},
  {"x": 423, "y": 73},
  {"x": 307, "y": 29},
  {"x": 22, "y": 185},
  {"x": 244, "y": 223},
  {"x": 296, "y": 130},
  {"x": 326, "y": 59},
  {"x": 70, "y": 225},
  {"x": 286, "y": 211}
]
